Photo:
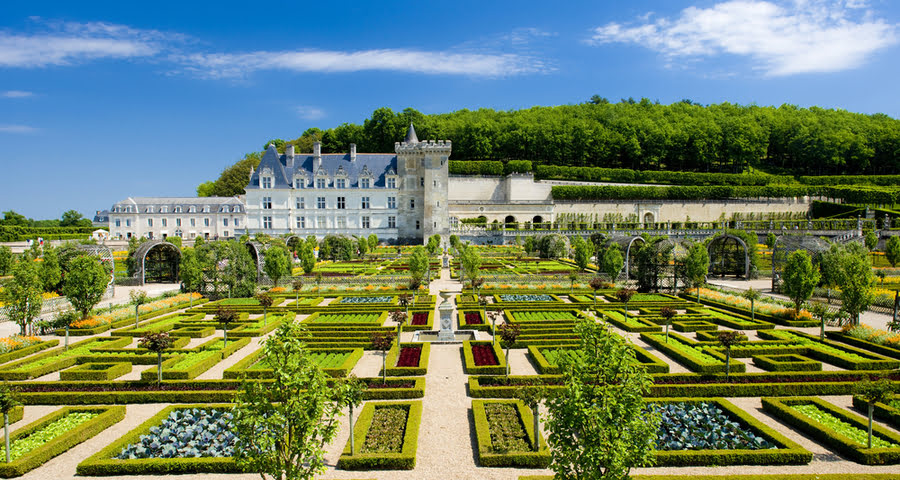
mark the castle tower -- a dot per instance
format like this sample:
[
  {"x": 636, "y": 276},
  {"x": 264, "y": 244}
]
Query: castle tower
[{"x": 423, "y": 198}]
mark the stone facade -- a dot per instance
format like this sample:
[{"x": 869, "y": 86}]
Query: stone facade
[{"x": 186, "y": 217}]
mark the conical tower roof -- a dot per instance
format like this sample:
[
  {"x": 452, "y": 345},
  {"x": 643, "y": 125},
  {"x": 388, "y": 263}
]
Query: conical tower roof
[{"x": 411, "y": 135}]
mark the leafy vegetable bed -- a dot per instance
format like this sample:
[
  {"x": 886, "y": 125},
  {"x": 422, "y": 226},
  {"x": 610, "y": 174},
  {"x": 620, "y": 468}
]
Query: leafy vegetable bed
[
  {"x": 703, "y": 426},
  {"x": 828, "y": 420},
  {"x": 384, "y": 299},
  {"x": 385, "y": 434},
  {"x": 543, "y": 316},
  {"x": 507, "y": 432},
  {"x": 25, "y": 444},
  {"x": 187, "y": 433},
  {"x": 525, "y": 298},
  {"x": 484, "y": 355},
  {"x": 409, "y": 357},
  {"x": 347, "y": 318}
]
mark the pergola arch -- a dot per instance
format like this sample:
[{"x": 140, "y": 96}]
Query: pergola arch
[
  {"x": 164, "y": 261},
  {"x": 629, "y": 256},
  {"x": 729, "y": 255},
  {"x": 258, "y": 253},
  {"x": 787, "y": 244},
  {"x": 106, "y": 259},
  {"x": 294, "y": 238}
]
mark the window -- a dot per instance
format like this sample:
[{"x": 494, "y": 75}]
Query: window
[
  {"x": 320, "y": 222},
  {"x": 225, "y": 233},
  {"x": 421, "y": 181},
  {"x": 301, "y": 203},
  {"x": 320, "y": 202},
  {"x": 118, "y": 222},
  {"x": 237, "y": 222},
  {"x": 267, "y": 223},
  {"x": 149, "y": 222},
  {"x": 392, "y": 183},
  {"x": 365, "y": 203},
  {"x": 364, "y": 183},
  {"x": 224, "y": 209},
  {"x": 178, "y": 222},
  {"x": 392, "y": 202},
  {"x": 178, "y": 209},
  {"x": 165, "y": 222},
  {"x": 341, "y": 222},
  {"x": 266, "y": 182},
  {"x": 418, "y": 224},
  {"x": 164, "y": 209},
  {"x": 205, "y": 222},
  {"x": 340, "y": 183},
  {"x": 320, "y": 183},
  {"x": 225, "y": 222},
  {"x": 365, "y": 222},
  {"x": 298, "y": 183},
  {"x": 435, "y": 183},
  {"x": 193, "y": 222},
  {"x": 341, "y": 203},
  {"x": 301, "y": 222},
  {"x": 237, "y": 209},
  {"x": 267, "y": 203},
  {"x": 392, "y": 222},
  {"x": 149, "y": 210},
  {"x": 412, "y": 203},
  {"x": 127, "y": 222},
  {"x": 192, "y": 209},
  {"x": 206, "y": 209}
]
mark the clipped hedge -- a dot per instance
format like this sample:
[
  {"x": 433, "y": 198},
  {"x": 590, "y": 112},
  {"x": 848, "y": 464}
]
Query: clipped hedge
[
  {"x": 103, "y": 463},
  {"x": 19, "y": 370},
  {"x": 786, "y": 363},
  {"x": 781, "y": 408},
  {"x": 96, "y": 372},
  {"x": 884, "y": 412},
  {"x": 24, "y": 352},
  {"x": 405, "y": 460},
  {"x": 658, "y": 341},
  {"x": 197, "y": 368},
  {"x": 242, "y": 369},
  {"x": 488, "y": 457},
  {"x": 475, "y": 167},
  {"x": 811, "y": 476},
  {"x": 107, "y": 416},
  {"x": 469, "y": 360}
]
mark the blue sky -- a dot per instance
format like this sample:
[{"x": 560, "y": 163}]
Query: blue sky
[{"x": 104, "y": 100}]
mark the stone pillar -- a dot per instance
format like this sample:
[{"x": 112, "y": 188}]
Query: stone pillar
[{"x": 446, "y": 312}]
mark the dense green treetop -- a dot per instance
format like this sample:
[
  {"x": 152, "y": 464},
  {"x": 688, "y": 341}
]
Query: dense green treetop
[{"x": 639, "y": 135}]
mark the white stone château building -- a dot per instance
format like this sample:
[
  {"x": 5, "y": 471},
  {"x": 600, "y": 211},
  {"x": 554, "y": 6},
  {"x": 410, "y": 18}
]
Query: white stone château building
[
  {"x": 400, "y": 196},
  {"x": 188, "y": 218}
]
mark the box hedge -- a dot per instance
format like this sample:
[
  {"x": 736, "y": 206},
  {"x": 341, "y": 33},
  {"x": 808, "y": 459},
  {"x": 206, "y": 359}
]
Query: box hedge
[
  {"x": 469, "y": 359},
  {"x": 786, "y": 363},
  {"x": 488, "y": 457},
  {"x": 405, "y": 460},
  {"x": 96, "y": 372},
  {"x": 394, "y": 353}
]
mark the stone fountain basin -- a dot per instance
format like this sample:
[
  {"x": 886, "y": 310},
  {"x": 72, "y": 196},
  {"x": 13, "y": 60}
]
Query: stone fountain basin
[{"x": 431, "y": 336}]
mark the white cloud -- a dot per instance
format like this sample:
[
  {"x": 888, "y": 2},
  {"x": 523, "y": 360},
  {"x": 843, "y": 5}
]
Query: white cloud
[
  {"x": 16, "y": 94},
  {"x": 67, "y": 43},
  {"x": 17, "y": 129},
  {"x": 310, "y": 113},
  {"x": 228, "y": 65},
  {"x": 783, "y": 38}
]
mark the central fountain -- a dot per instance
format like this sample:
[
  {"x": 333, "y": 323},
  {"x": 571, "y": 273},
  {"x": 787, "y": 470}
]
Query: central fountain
[{"x": 446, "y": 334}]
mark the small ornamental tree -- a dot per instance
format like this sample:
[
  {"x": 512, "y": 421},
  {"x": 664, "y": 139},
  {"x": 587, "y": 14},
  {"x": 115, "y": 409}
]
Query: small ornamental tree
[
  {"x": 8, "y": 401},
  {"x": 307, "y": 258},
  {"x": 871, "y": 240},
  {"x": 728, "y": 339},
  {"x": 820, "y": 311},
  {"x": 350, "y": 391},
  {"x": 753, "y": 296},
  {"x": 573, "y": 277},
  {"x": 265, "y": 301},
  {"x": 667, "y": 313},
  {"x": 6, "y": 259},
  {"x": 696, "y": 266},
  {"x": 596, "y": 284},
  {"x": 284, "y": 426},
  {"x": 362, "y": 245},
  {"x": 800, "y": 278},
  {"x": 138, "y": 298},
  {"x": 494, "y": 315},
  {"x": 483, "y": 303},
  {"x": 624, "y": 295},
  {"x": 373, "y": 242},
  {"x": 533, "y": 396},
  {"x": 277, "y": 263},
  {"x": 881, "y": 274},
  {"x": 85, "y": 283},
  {"x": 400, "y": 318},
  {"x": 598, "y": 423},
  {"x": 157, "y": 343},
  {"x": 612, "y": 261},
  {"x": 21, "y": 295},
  {"x": 582, "y": 253},
  {"x": 224, "y": 317},
  {"x": 892, "y": 251},
  {"x": 404, "y": 300},
  {"x": 770, "y": 240},
  {"x": 874, "y": 392},
  {"x": 297, "y": 286},
  {"x": 509, "y": 332},
  {"x": 383, "y": 342}
]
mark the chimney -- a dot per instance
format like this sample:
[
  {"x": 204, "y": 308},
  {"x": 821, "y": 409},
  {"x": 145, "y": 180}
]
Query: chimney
[
  {"x": 352, "y": 152},
  {"x": 289, "y": 155},
  {"x": 317, "y": 154}
]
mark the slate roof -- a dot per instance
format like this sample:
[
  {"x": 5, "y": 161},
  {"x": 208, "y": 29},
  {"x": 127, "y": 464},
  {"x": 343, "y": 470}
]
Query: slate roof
[
  {"x": 215, "y": 203},
  {"x": 378, "y": 166}
]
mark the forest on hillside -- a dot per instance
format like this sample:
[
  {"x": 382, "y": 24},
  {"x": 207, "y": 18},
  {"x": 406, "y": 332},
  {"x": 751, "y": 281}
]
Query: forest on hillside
[{"x": 637, "y": 135}]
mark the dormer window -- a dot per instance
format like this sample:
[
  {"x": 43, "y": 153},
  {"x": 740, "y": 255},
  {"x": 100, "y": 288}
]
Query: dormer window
[
  {"x": 236, "y": 209},
  {"x": 321, "y": 182},
  {"x": 149, "y": 210},
  {"x": 364, "y": 183},
  {"x": 300, "y": 182},
  {"x": 340, "y": 183},
  {"x": 192, "y": 209},
  {"x": 266, "y": 182},
  {"x": 164, "y": 209},
  {"x": 391, "y": 183},
  {"x": 178, "y": 209},
  {"x": 225, "y": 209},
  {"x": 206, "y": 209}
]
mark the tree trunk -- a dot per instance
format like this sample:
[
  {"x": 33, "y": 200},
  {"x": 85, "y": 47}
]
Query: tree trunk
[
  {"x": 67, "y": 337},
  {"x": 507, "y": 360},
  {"x": 537, "y": 427},
  {"x": 667, "y": 332},
  {"x": 871, "y": 408},
  {"x": 384, "y": 365},
  {"x": 136, "y": 316},
  {"x": 352, "y": 445},
  {"x": 158, "y": 368},
  {"x": 6, "y": 434},
  {"x": 225, "y": 332},
  {"x": 727, "y": 365},
  {"x": 753, "y": 310}
]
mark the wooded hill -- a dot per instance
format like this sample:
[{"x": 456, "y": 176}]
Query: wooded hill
[{"x": 636, "y": 136}]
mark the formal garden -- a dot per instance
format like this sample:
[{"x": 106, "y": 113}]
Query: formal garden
[{"x": 504, "y": 362}]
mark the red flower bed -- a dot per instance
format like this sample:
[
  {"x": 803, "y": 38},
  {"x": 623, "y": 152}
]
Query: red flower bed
[
  {"x": 484, "y": 355},
  {"x": 473, "y": 318},
  {"x": 409, "y": 357},
  {"x": 420, "y": 318}
]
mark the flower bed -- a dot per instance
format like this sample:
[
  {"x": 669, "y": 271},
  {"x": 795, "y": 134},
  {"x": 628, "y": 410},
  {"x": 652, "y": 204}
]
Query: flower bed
[
  {"x": 169, "y": 443},
  {"x": 127, "y": 313},
  {"x": 17, "y": 342},
  {"x": 505, "y": 434},
  {"x": 386, "y": 436},
  {"x": 419, "y": 318},
  {"x": 411, "y": 359},
  {"x": 484, "y": 355},
  {"x": 409, "y": 356},
  {"x": 364, "y": 300},
  {"x": 38, "y": 442},
  {"x": 473, "y": 318}
]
